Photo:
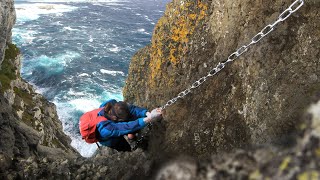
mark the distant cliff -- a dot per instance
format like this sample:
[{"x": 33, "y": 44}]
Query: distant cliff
[{"x": 256, "y": 100}]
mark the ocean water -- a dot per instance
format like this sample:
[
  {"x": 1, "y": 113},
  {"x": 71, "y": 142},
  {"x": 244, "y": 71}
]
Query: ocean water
[{"x": 77, "y": 54}]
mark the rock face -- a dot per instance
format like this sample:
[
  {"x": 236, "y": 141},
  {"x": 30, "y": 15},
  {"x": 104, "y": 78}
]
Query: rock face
[
  {"x": 29, "y": 124},
  {"x": 7, "y": 20},
  {"x": 298, "y": 162},
  {"x": 258, "y": 99}
]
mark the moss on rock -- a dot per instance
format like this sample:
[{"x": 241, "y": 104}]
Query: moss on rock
[{"x": 8, "y": 68}]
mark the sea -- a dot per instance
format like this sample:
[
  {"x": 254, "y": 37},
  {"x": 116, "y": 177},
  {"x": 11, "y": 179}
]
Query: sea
[{"x": 77, "y": 53}]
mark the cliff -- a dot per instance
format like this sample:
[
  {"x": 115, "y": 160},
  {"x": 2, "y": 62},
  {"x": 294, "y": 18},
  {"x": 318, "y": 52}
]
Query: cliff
[
  {"x": 258, "y": 99},
  {"x": 7, "y": 20},
  {"x": 253, "y": 120},
  {"x": 29, "y": 123}
]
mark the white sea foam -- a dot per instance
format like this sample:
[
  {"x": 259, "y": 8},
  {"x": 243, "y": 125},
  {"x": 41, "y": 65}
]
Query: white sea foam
[
  {"x": 147, "y": 18},
  {"x": 27, "y": 12},
  {"x": 85, "y": 104},
  {"x": 115, "y": 48},
  {"x": 141, "y": 30},
  {"x": 84, "y": 75},
  {"x": 54, "y": 64},
  {"x": 23, "y": 36},
  {"x": 70, "y": 28},
  {"x": 113, "y": 73},
  {"x": 72, "y": 92},
  {"x": 93, "y": 1},
  {"x": 91, "y": 39},
  {"x": 64, "y": 110},
  {"x": 85, "y": 149}
]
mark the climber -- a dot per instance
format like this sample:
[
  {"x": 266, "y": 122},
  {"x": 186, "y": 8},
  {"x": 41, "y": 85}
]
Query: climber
[{"x": 113, "y": 120}]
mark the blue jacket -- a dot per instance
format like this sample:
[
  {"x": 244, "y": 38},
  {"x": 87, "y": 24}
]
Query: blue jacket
[{"x": 110, "y": 131}]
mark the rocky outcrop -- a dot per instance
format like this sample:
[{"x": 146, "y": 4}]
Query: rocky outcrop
[
  {"x": 32, "y": 114},
  {"x": 252, "y": 108},
  {"x": 268, "y": 162},
  {"x": 30, "y": 127},
  {"x": 7, "y": 20},
  {"x": 256, "y": 100}
]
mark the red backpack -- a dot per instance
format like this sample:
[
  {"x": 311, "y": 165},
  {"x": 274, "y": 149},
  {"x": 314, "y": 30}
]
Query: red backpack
[{"x": 88, "y": 125}]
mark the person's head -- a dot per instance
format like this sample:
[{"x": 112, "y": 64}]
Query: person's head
[{"x": 117, "y": 112}]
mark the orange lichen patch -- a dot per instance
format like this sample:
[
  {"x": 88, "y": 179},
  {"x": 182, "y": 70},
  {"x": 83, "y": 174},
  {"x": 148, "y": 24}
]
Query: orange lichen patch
[
  {"x": 172, "y": 57},
  {"x": 192, "y": 16},
  {"x": 186, "y": 24},
  {"x": 180, "y": 32},
  {"x": 172, "y": 34},
  {"x": 203, "y": 10}
]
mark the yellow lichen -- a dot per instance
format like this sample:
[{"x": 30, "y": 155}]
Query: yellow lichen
[
  {"x": 172, "y": 35},
  {"x": 255, "y": 175},
  {"x": 172, "y": 57},
  {"x": 303, "y": 126},
  {"x": 309, "y": 175},
  {"x": 318, "y": 152},
  {"x": 192, "y": 16},
  {"x": 285, "y": 163}
]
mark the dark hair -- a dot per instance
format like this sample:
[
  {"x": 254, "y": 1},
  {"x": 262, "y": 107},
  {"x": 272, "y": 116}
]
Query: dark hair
[{"x": 117, "y": 112}]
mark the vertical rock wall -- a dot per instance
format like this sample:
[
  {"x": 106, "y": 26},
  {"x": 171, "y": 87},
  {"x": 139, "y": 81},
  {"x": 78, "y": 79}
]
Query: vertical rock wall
[
  {"x": 258, "y": 99},
  {"x": 7, "y": 20}
]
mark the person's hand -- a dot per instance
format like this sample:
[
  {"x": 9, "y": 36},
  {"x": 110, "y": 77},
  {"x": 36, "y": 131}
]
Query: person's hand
[{"x": 154, "y": 115}]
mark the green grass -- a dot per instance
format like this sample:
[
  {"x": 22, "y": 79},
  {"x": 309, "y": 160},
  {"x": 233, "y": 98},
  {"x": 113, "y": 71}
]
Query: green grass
[
  {"x": 8, "y": 69},
  {"x": 25, "y": 96}
]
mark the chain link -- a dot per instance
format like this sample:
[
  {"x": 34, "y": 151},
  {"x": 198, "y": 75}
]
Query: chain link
[
  {"x": 139, "y": 142},
  {"x": 233, "y": 56}
]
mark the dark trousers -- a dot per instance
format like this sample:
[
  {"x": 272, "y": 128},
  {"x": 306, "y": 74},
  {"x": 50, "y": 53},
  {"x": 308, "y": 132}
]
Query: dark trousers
[{"x": 117, "y": 143}]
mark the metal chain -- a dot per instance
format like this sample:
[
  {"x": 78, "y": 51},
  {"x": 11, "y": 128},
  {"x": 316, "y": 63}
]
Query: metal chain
[
  {"x": 143, "y": 135},
  {"x": 233, "y": 56}
]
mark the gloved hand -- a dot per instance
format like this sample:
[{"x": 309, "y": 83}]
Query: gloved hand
[{"x": 155, "y": 115}]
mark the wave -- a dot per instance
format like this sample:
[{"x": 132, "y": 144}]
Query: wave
[
  {"x": 115, "y": 48},
  {"x": 50, "y": 65},
  {"x": 75, "y": 1},
  {"x": 22, "y": 36},
  {"x": 29, "y": 12},
  {"x": 68, "y": 28},
  {"x": 143, "y": 31},
  {"x": 113, "y": 73},
  {"x": 83, "y": 75}
]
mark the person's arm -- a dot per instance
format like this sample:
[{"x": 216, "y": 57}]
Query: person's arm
[
  {"x": 137, "y": 112},
  {"x": 109, "y": 129}
]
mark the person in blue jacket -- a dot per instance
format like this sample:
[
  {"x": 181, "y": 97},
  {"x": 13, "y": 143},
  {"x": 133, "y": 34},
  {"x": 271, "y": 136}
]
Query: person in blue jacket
[{"x": 123, "y": 119}]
